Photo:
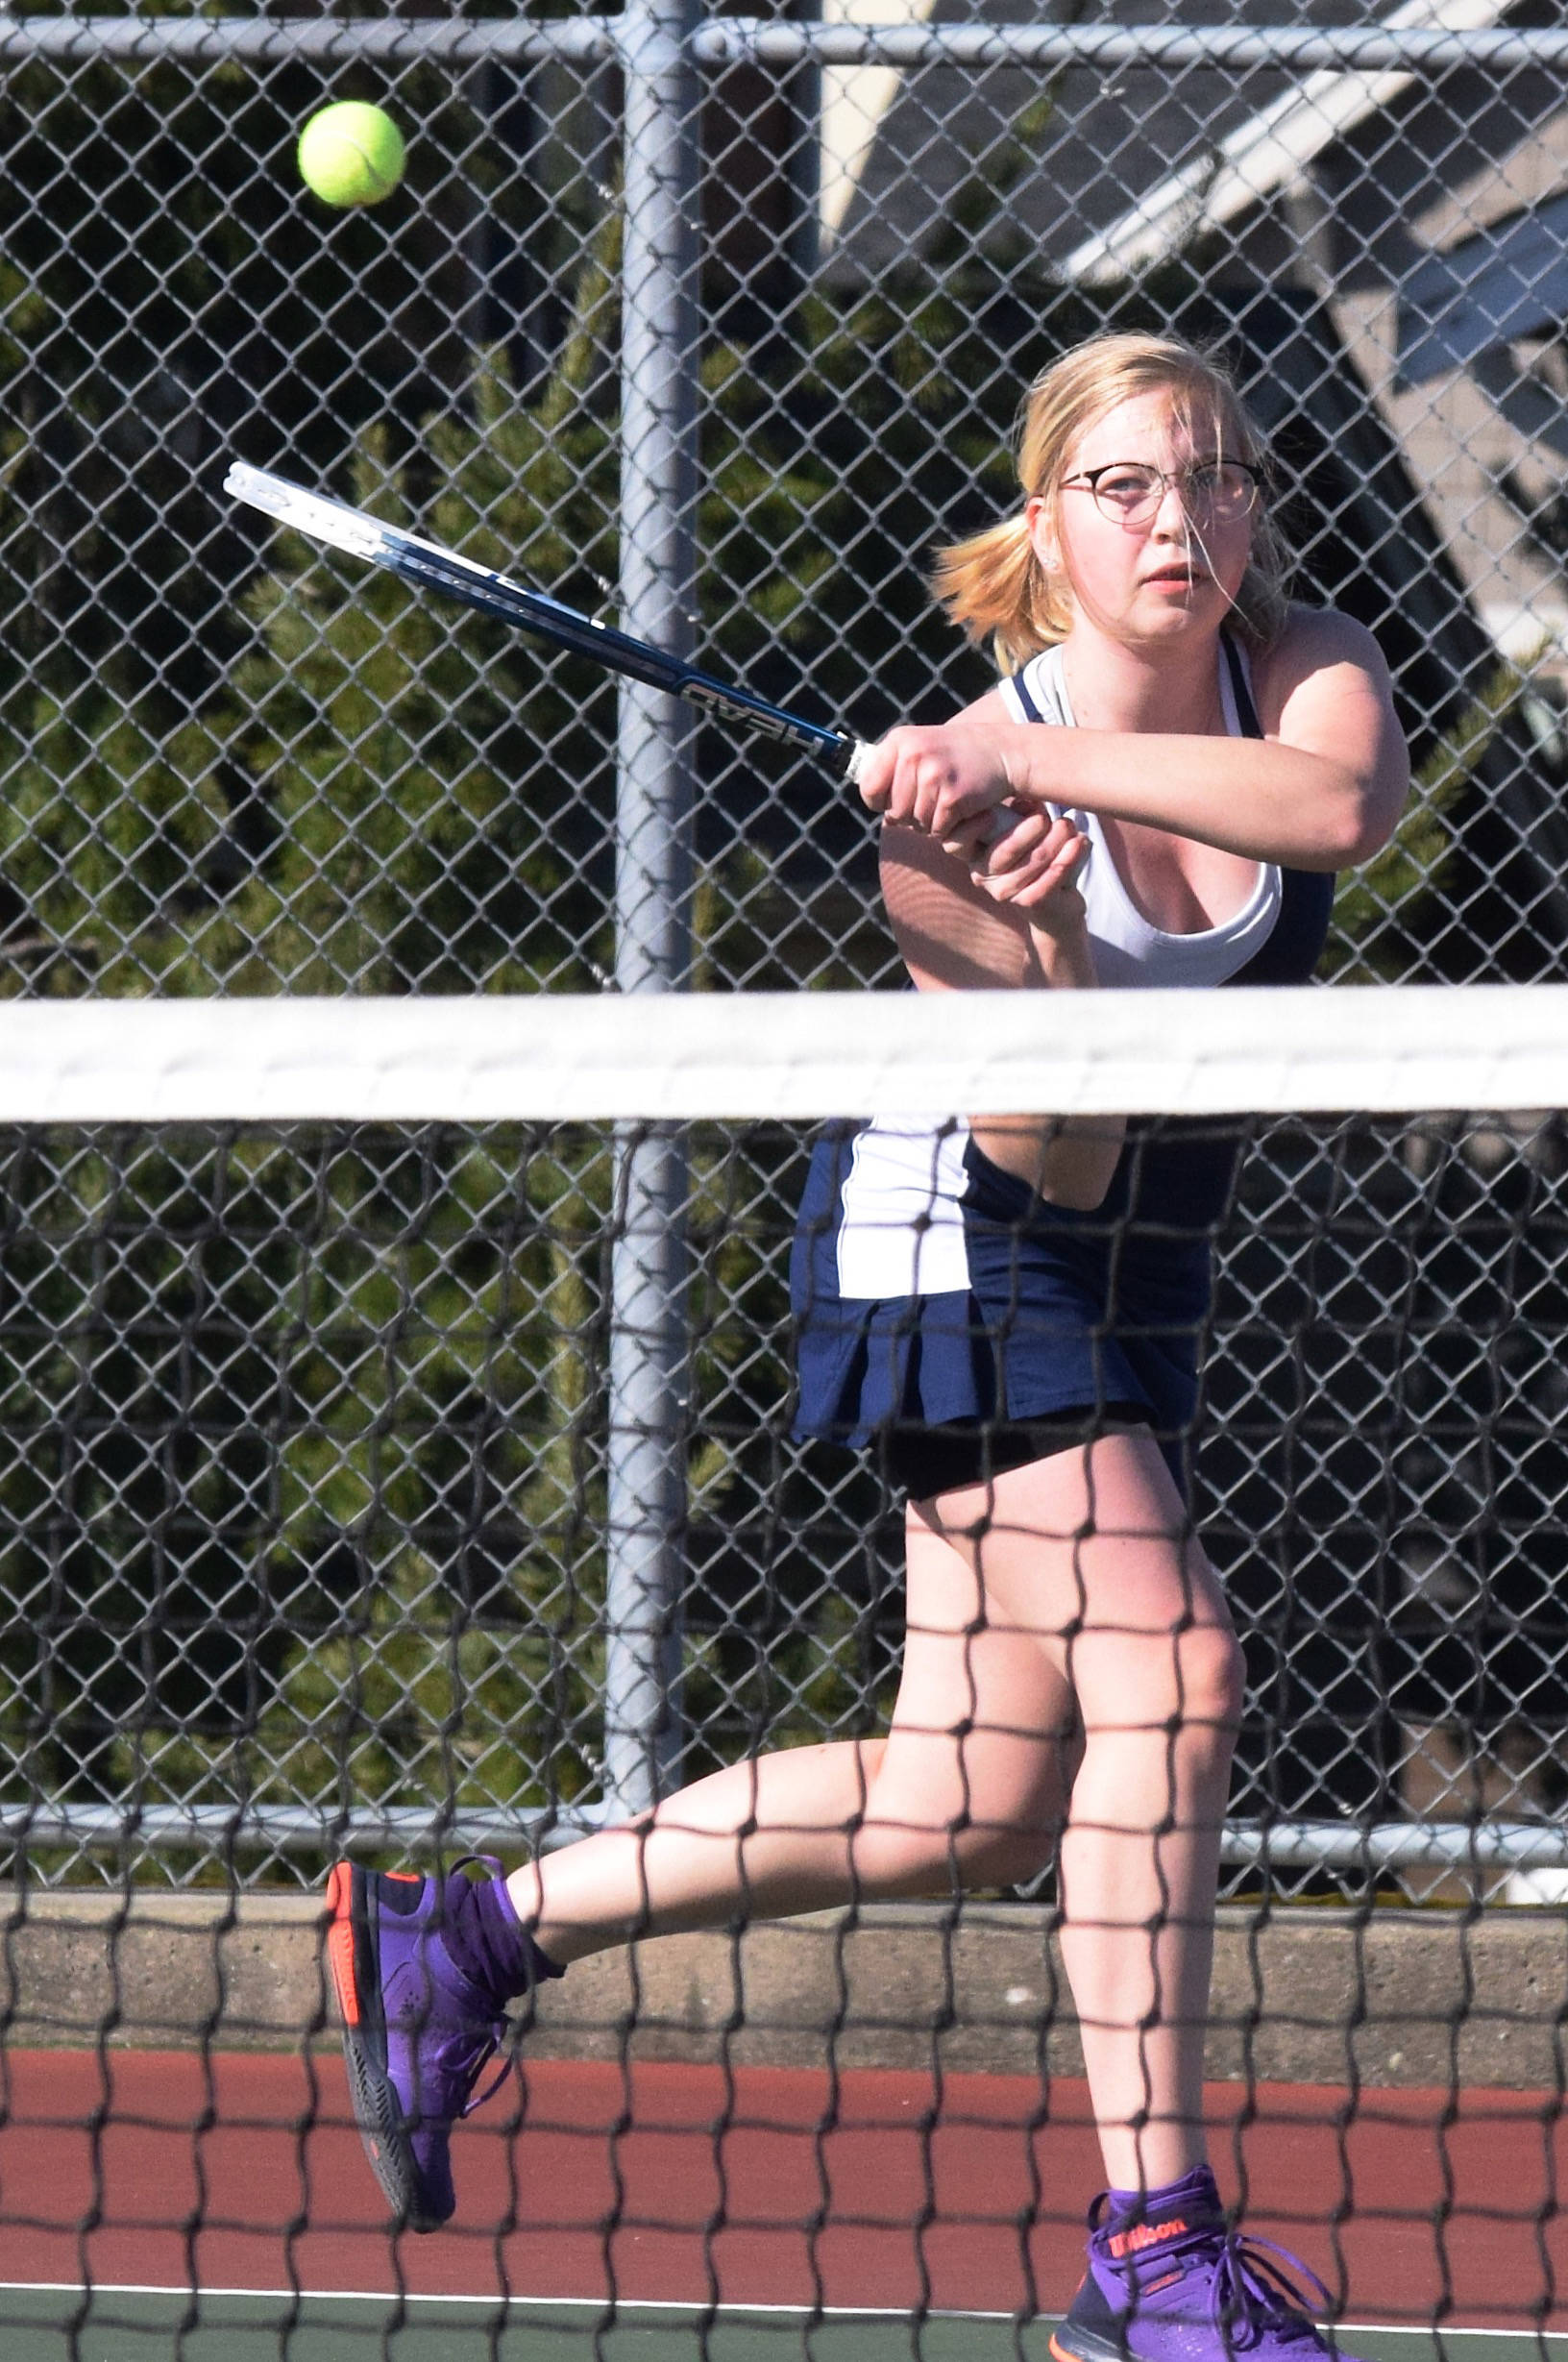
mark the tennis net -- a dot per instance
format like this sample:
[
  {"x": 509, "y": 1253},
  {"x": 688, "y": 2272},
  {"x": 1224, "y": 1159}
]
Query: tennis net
[{"x": 398, "y": 1456}]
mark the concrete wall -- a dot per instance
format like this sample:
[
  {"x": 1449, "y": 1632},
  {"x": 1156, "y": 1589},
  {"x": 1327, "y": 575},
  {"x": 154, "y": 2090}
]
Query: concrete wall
[{"x": 1300, "y": 1994}]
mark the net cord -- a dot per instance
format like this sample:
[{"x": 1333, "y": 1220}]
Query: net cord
[{"x": 790, "y": 1056}]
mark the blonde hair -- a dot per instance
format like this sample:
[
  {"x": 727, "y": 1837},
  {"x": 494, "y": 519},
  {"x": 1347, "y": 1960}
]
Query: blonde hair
[{"x": 994, "y": 586}]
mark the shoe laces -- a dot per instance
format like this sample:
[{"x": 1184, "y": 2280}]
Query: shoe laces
[
  {"x": 467, "y": 2064},
  {"x": 483, "y": 2051},
  {"x": 1257, "y": 2289}
]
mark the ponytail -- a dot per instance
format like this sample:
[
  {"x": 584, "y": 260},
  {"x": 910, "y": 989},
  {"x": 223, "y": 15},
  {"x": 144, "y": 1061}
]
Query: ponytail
[{"x": 994, "y": 588}]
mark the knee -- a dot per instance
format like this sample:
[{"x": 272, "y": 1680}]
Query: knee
[
  {"x": 1213, "y": 1675},
  {"x": 990, "y": 1841},
  {"x": 997, "y": 1853},
  {"x": 872, "y": 1754}
]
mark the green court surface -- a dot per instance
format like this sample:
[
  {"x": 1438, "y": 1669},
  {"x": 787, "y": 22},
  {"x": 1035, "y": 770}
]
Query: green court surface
[
  {"x": 146, "y": 2326},
  {"x": 123, "y": 2324}
]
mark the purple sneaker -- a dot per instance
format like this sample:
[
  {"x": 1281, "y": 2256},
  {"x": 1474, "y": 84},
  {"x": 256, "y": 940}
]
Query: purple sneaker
[
  {"x": 417, "y": 2029},
  {"x": 1173, "y": 2282}
]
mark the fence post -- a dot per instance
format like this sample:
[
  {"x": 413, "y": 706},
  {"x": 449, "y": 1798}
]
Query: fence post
[{"x": 648, "y": 1354}]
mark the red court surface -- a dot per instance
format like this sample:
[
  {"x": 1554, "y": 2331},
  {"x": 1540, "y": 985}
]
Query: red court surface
[{"x": 771, "y": 2187}]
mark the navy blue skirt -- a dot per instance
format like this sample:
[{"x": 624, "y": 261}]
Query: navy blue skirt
[{"x": 1079, "y": 1321}]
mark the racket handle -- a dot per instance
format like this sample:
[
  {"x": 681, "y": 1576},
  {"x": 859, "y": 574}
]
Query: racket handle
[{"x": 853, "y": 758}]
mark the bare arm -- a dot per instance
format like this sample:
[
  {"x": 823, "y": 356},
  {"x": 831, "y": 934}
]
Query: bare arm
[
  {"x": 954, "y": 935},
  {"x": 1322, "y": 790}
]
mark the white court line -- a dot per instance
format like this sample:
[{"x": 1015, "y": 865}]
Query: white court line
[
  {"x": 674, "y": 2304},
  {"x": 593, "y": 2304}
]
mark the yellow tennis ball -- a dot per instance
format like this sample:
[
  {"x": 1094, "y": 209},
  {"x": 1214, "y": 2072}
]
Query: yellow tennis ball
[{"x": 350, "y": 154}]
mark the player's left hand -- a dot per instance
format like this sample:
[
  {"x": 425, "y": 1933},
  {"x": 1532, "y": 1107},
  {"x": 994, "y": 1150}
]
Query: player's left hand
[{"x": 1024, "y": 856}]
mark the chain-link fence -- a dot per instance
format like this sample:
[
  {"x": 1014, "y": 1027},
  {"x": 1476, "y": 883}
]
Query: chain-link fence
[{"x": 320, "y": 1452}]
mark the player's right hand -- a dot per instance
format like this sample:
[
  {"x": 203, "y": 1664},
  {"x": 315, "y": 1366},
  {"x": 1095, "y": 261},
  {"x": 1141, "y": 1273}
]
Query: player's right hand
[{"x": 935, "y": 780}]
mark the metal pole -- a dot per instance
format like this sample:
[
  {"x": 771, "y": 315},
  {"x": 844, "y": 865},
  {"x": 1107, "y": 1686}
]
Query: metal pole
[
  {"x": 213, "y": 1832},
  {"x": 779, "y": 41},
  {"x": 647, "y": 1476}
]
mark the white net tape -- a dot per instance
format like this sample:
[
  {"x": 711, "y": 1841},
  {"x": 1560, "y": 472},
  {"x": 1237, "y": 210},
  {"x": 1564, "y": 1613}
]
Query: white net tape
[{"x": 785, "y": 1056}]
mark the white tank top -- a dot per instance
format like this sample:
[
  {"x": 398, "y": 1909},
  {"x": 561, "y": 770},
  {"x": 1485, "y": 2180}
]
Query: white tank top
[
  {"x": 901, "y": 1228},
  {"x": 1128, "y": 950}
]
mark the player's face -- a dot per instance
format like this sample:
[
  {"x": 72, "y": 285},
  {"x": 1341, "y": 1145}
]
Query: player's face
[{"x": 1152, "y": 522}]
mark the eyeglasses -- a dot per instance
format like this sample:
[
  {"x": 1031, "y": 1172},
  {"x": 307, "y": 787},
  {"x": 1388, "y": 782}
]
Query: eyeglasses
[{"x": 1221, "y": 491}]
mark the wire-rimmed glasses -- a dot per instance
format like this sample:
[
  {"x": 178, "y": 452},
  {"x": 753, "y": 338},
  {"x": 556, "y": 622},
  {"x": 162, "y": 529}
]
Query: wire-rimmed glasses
[{"x": 1127, "y": 491}]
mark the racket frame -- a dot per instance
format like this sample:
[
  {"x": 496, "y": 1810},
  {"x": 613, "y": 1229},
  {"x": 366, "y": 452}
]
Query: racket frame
[{"x": 428, "y": 566}]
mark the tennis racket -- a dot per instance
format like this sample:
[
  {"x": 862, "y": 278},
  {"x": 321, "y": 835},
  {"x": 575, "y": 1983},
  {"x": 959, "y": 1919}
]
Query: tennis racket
[{"x": 430, "y": 567}]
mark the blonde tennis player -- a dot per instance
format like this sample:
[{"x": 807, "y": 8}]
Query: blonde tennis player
[{"x": 1009, "y": 1315}]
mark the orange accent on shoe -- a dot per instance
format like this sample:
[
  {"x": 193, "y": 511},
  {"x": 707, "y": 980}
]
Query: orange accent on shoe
[
  {"x": 1144, "y": 2235},
  {"x": 1060, "y": 2353},
  {"x": 340, "y": 1940}
]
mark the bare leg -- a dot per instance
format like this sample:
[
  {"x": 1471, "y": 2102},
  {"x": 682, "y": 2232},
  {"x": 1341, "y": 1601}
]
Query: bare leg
[
  {"x": 771, "y": 1836},
  {"x": 1155, "y": 1668},
  {"x": 1069, "y": 1589},
  {"x": 968, "y": 1786}
]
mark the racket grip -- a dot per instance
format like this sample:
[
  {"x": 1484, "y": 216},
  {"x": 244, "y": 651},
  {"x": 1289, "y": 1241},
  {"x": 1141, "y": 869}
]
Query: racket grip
[{"x": 853, "y": 758}]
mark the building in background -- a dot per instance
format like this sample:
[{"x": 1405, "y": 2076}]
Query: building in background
[{"x": 1430, "y": 217}]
